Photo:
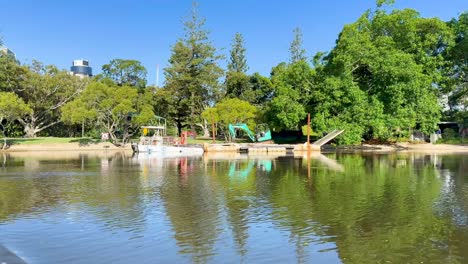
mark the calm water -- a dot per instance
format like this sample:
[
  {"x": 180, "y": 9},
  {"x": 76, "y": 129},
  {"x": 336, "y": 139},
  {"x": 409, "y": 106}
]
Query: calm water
[{"x": 349, "y": 208}]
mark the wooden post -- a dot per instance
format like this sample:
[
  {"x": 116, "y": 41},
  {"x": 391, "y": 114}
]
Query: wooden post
[
  {"x": 213, "y": 129},
  {"x": 214, "y": 135},
  {"x": 308, "y": 132}
]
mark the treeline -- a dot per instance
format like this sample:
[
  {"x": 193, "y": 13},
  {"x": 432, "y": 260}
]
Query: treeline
[{"x": 390, "y": 72}]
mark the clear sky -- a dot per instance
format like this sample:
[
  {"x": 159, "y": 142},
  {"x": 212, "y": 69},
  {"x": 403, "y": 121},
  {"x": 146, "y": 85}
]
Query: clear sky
[{"x": 59, "y": 31}]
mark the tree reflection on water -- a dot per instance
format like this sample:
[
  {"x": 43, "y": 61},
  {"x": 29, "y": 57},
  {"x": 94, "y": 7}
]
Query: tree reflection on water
[{"x": 395, "y": 207}]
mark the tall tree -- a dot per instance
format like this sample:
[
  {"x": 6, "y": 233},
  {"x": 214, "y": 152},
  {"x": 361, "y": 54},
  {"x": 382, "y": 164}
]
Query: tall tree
[
  {"x": 237, "y": 81},
  {"x": 237, "y": 60},
  {"x": 192, "y": 77},
  {"x": 125, "y": 72},
  {"x": 297, "y": 52},
  {"x": 237, "y": 85},
  {"x": 458, "y": 63},
  {"x": 383, "y": 77},
  {"x": 261, "y": 92},
  {"x": 292, "y": 85}
]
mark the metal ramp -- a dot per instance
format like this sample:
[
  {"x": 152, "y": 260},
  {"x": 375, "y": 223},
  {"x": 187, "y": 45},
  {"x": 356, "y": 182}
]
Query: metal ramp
[{"x": 328, "y": 137}]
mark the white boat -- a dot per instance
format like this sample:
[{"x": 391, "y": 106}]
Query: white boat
[{"x": 154, "y": 140}]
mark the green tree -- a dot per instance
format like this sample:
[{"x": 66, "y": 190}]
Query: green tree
[
  {"x": 380, "y": 3},
  {"x": 12, "y": 107},
  {"x": 261, "y": 91},
  {"x": 11, "y": 74},
  {"x": 118, "y": 109},
  {"x": 192, "y": 77},
  {"x": 231, "y": 111},
  {"x": 458, "y": 65},
  {"x": 383, "y": 77},
  {"x": 293, "y": 85},
  {"x": 45, "y": 89},
  {"x": 237, "y": 81},
  {"x": 237, "y": 60},
  {"x": 297, "y": 52},
  {"x": 211, "y": 116},
  {"x": 125, "y": 72},
  {"x": 238, "y": 85}
]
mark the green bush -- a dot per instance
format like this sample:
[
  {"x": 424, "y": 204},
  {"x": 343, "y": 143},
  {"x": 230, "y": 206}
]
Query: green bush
[{"x": 449, "y": 133}]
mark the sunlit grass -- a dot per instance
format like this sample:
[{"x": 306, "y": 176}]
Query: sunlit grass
[
  {"x": 454, "y": 141},
  {"x": 49, "y": 140}
]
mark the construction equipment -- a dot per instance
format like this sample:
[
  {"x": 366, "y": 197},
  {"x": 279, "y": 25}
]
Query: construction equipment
[{"x": 262, "y": 132}]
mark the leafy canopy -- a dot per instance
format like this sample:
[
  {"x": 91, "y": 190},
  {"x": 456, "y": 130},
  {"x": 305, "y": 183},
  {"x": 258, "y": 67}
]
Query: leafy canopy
[
  {"x": 115, "y": 108},
  {"x": 125, "y": 72}
]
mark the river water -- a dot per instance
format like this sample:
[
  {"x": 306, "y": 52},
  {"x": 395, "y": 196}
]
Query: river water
[{"x": 331, "y": 208}]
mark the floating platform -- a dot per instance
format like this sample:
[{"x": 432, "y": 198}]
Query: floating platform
[
  {"x": 259, "y": 148},
  {"x": 272, "y": 148}
]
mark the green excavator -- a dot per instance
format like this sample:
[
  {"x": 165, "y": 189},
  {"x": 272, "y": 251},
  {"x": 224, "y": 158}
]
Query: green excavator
[{"x": 262, "y": 132}]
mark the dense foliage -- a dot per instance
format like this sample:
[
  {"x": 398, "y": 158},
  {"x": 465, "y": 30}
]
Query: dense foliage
[
  {"x": 390, "y": 73},
  {"x": 231, "y": 111}
]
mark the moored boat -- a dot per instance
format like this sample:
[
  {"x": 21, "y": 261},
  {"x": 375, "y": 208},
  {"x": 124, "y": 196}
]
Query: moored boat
[{"x": 154, "y": 140}]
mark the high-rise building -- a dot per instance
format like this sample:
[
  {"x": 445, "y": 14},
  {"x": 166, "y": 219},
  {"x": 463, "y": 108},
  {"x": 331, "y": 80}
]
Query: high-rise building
[
  {"x": 7, "y": 51},
  {"x": 81, "y": 68}
]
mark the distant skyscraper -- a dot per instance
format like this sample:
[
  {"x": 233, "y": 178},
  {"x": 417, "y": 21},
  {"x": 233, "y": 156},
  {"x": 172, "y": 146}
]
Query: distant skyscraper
[
  {"x": 81, "y": 68},
  {"x": 7, "y": 52}
]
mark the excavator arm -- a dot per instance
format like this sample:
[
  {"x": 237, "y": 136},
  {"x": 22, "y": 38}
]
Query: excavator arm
[{"x": 232, "y": 130}]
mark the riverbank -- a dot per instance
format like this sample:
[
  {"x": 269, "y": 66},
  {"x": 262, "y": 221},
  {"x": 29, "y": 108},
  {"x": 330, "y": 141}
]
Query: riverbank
[
  {"x": 72, "y": 146},
  {"x": 435, "y": 148},
  {"x": 62, "y": 144},
  {"x": 401, "y": 147}
]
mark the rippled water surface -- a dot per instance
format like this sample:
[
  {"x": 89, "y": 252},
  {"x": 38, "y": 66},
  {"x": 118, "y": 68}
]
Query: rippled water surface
[{"x": 332, "y": 208}]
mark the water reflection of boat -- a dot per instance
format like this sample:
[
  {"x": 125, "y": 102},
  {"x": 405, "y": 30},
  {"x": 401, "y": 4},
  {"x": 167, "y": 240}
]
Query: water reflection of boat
[{"x": 155, "y": 159}]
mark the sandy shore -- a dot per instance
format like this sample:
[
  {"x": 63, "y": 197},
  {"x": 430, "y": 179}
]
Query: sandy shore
[
  {"x": 434, "y": 148},
  {"x": 402, "y": 147},
  {"x": 104, "y": 146}
]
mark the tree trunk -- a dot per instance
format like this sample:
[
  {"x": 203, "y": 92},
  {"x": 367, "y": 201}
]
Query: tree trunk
[
  {"x": 125, "y": 134},
  {"x": 82, "y": 129},
  {"x": 33, "y": 126},
  {"x": 206, "y": 130},
  {"x": 179, "y": 128},
  {"x": 113, "y": 137},
  {"x": 4, "y": 142},
  {"x": 192, "y": 113},
  {"x": 30, "y": 131},
  {"x": 4, "y": 137}
]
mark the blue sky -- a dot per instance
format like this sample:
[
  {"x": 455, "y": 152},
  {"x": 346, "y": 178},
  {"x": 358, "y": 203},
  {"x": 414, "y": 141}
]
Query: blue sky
[{"x": 57, "y": 32}]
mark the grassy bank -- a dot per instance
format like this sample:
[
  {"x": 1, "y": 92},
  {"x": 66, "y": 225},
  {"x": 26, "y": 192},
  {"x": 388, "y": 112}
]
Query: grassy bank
[
  {"x": 59, "y": 140},
  {"x": 50, "y": 140},
  {"x": 453, "y": 141}
]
